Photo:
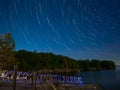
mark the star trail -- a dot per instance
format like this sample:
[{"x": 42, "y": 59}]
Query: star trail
[{"x": 81, "y": 29}]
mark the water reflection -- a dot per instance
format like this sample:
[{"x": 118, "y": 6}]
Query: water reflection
[{"x": 109, "y": 79}]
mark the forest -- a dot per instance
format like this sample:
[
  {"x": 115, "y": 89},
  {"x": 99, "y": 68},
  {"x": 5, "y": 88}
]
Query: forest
[
  {"x": 29, "y": 61},
  {"x": 48, "y": 61}
]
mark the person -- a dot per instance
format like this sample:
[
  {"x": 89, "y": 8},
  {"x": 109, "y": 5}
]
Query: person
[
  {"x": 31, "y": 78},
  {"x": 8, "y": 75},
  {"x": 3, "y": 76}
]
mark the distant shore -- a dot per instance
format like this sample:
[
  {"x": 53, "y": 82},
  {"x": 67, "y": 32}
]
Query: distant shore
[
  {"x": 69, "y": 70},
  {"x": 58, "y": 70}
]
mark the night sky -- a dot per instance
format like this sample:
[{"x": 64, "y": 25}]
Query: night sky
[{"x": 80, "y": 29}]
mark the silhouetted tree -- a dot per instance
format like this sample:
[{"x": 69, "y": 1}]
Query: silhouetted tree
[
  {"x": 95, "y": 64},
  {"x": 7, "y": 48}
]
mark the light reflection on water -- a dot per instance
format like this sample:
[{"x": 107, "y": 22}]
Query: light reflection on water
[{"x": 109, "y": 79}]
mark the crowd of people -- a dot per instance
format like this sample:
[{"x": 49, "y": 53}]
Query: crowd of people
[{"x": 38, "y": 77}]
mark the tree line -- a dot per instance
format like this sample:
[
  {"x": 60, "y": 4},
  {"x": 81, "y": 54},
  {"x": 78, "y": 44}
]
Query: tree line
[
  {"x": 49, "y": 61},
  {"x": 28, "y": 61}
]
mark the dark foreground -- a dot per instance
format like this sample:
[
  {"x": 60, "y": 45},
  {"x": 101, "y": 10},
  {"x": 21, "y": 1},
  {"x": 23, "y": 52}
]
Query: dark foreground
[{"x": 50, "y": 86}]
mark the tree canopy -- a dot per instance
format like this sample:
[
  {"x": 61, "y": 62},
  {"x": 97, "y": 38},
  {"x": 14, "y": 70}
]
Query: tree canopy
[
  {"x": 50, "y": 61},
  {"x": 7, "y": 48}
]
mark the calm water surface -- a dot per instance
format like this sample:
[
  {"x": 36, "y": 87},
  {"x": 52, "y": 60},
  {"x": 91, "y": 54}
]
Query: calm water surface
[{"x": 108, "y": 79}]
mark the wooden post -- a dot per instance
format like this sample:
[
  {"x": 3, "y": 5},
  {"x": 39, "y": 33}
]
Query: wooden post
[
  {"x": 14, "y": 77},
  {"x": 34, "y": 80}
]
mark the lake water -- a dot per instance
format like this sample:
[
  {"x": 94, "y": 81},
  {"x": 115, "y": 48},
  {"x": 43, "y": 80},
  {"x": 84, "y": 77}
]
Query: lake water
[{"x": 108, "y": 79}]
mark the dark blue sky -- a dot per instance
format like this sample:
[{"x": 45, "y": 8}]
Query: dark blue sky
[{"x": 79, "y": 29}]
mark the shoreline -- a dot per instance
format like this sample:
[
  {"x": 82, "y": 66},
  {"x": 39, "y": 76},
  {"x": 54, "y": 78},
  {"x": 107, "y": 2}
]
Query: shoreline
[{"x": 68, "y": 70}]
